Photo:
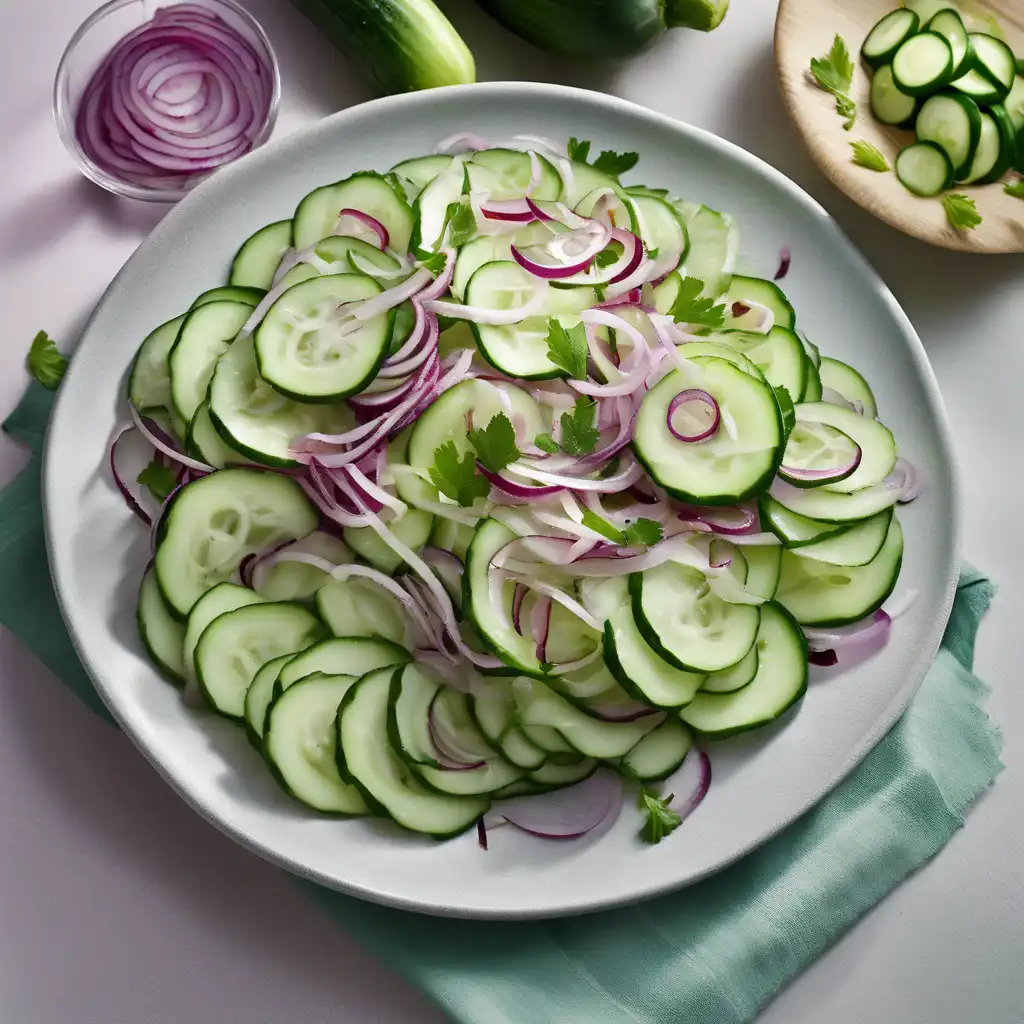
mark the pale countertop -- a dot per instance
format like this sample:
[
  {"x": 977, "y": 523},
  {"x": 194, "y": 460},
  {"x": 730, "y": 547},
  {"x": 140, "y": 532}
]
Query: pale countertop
[{"x": 118, "y": 905}]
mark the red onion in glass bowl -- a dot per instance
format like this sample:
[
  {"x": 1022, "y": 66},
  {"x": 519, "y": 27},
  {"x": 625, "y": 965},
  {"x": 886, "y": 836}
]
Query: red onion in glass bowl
[{"x": 152, "y": 96}]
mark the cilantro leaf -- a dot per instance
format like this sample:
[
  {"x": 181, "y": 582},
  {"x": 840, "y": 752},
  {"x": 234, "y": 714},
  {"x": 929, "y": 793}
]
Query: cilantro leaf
[
  {"x": 866, "y": 155},
  {"x": 45, "y": 363},
  {"x": 495, "y": 444},
  {"x": 568, "y": 349},
  {"x": 461, "y": 223},
  {"x": 661, "y": 819},
  {"x": 601, "y": 525},
  {"x": 577, "y": 150},
  {"x": 961, "y": 211},
  {"x": 579, "y": 432},
  {"x": 643, "y": 531},
  {"x": 456, "y": 476},
  {"x": 614, "y": 164},
  {"x": 1015, "y": 188},
  {"x": 159, "y": 479},
  {"x": 834, "y": 74},
  {"x": 846, "y": 108},
  {"x": 782, "y": 396},
  {"x": 690, "y": 308},
  {"x": 546, "y": 443},
  {"x": 652, "y": 254},
  {"x": 435, "y": 262},
  {"x": 606, "y": 257}
]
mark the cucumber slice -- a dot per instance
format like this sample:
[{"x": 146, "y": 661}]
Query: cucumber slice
[
  {"x": 258, "y": 698},
  {"x": 714, "y": 244},
  {"x": 792, "y": 529},
  {"x": 555, "y": 776},
  {"x": 473, "y": 255},
  {"x": 888, "y": 104},
  {"x": 230, "y": 293},
  {"x": 161, "y": 633},
  {"x": 352, "y": 656},
  {"x": 747, "y": 290},
  {"x": 538, "y": 704},
  {"x": 581, "y": 180},
  {"x": 452, "y": 536},
  {"x": 780, "y": 682},
  {"x": 297, "y": 581},
  {"x": 619, "y": 211},
  {"x": 888, "y": 34},
  {"x": 344, "y": 254},
  {"x": 659, "y": 753},
  {"x": 831, "y": 506},
  {"x": 993, "y": 60},
  {"x": 493, "y": 714},
  {"x": 495, "y": 630},
  {"x": 877, "y": 445},
  {"x": 413, "y": 529},
  {"x": 203, "y": 338},
  {"x": 856, "y": 546},
  {"x": 953, "y": 122},
  {"x": 359, "y": 607},
  {"x": 687, "y": 624},
  {"x": 662, "y": 228},
  {"x": 821, "y": 594},
  {"x": 997, "y": 147},
  {"x": 1014, "y": 103},
  {"x": 236, "y": 644},
  {"x": 947, "y": 23},
  {"x": 258, "y": 421},
  {"x": 225, "y": 597},
  {"x": 718, "y": 346},
  {"x": 211, "y": 524},
  {"x": 203, "y": 442},
  {"x": 307, "y": 351},
  {"x": 506, "y": 173},
  {"x": 779, "y": 355},
  {"x": 812, "y": 393},
  {"x": 300, "y": 745},
  {"x": 149, "y": 386},
  {"x": 737, "y": 462},
  {"x": 317, "y": 214},
  {"x": 430, "y": 209},
  {"x": 734, "y": 678},
  {"x": 261, "y": 253},
  {"x": 923, "y": 64},
  {"x": 412, "y": 693},
  {"x": 846, "y": 381},
  {"x": 550, "y": 741},
  {"x": 422, "y": 170},
  {"x": 924, "y": 169},
  {"x": 764, "y": 564},
  {"x": 366, "y": 757}
]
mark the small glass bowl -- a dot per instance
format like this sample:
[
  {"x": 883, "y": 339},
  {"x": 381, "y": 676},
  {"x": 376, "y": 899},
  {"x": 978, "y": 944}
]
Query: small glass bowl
[{"x": 97, "y": 36}]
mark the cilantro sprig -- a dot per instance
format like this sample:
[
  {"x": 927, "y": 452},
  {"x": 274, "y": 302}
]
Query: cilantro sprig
[
  {"x": 158, "y": 479},
  {"x": 45, "y": 363},
  {"x": 866, "y": 155},
  {"x": 690, "y": 307},
  {"x": 661, "y": 820},
  {"x": 493, "y": 446},
  {"x": 608, "y": 161},
  {"x": 568, "y": 349},
  {"x": 579, "y": 430},
  {"x": 834, "y": 74}
]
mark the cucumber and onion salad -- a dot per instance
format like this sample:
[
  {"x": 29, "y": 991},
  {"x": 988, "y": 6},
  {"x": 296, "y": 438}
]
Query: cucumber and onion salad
[{"x": 489, "y": 477}]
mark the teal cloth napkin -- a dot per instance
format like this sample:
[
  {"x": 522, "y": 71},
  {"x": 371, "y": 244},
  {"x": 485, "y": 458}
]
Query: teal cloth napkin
[{"x": 711, "y": 954}]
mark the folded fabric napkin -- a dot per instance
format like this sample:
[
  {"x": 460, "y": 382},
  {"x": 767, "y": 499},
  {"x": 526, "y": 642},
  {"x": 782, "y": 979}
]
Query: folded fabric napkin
[{"x": 711, "y": 954}]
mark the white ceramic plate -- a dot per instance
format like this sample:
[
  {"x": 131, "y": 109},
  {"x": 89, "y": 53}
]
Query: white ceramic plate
[{"x": 761, "y": 782}]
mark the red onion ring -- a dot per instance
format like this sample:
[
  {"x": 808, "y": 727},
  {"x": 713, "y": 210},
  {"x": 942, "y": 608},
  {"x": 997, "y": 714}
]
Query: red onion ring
[
  {"x": 800, "y": 476},
  {"x": 784, "y": 261},
  {"x": 693, "y": 792},
  {"x": 540, "y": 625},
  {"x": 365, "y": 221},
  {"x": 130, "y": 500},
  {"x": 564, "y": 813},
  {"x": 518, "y": 594},
  {"x": 711, "y": 518},
  {"x": 684, "y": 398}
]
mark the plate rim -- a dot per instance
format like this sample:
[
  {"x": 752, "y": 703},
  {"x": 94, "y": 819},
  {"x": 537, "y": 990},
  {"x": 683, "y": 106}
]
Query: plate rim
[{"x": 305, "y": 135}]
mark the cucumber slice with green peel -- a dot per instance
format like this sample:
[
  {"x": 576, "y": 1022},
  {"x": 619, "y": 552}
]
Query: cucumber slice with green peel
[
  {"x": 888, "y": 34},
  {"x": 688, "y": 625},
  {"x": 979, "y": 88},
  {"x": 430, "y": 210},
  {"x": 230, "y": 293},
  {"x": 779, "y": 355},
  {"x": 663, "y": 229},
  {"x": 856, "y": 546},
  {"x": 344, "y": 254},
  {"x": 317, "y": 214},
  {"x": 792, "y": 529},
  {"x": 550, "y": 741},
  {"x": 256, "y": 262},
  {"x": 554, "y": 776},
  {"x": 161, "y": 633},
  {"x": 831, "y": 506},
  {"x": 714, "y": 244},
  {"x": 619, "y": 210},
  {"x": 582, "y": 179},
  {"x": 366, "y": 756},
  {"x": 817, "y": 448},
  {"x": 349, "y": 656},
  {"x": 258, "y": 698},
  {"x": 737, "y": 461},
  {"x": 538, "y": 704},
  {"x": 149, "y": 386},
  {"x": 213, "y": 523},
  {"x": 822, "y": 594},
  {"x": 298, "y": 581},
  {"x": 994, "y": 60},
  {"x": 254, "y": 419},
  {"x": 764, "y": 563},
  {"x": 360, "y": 607},
  {"x": 755, "y": 292},
  {"x": 412, "y": 693},
  {"x": 948, "y": 24},
  {"x": 998, "y": 137},
  {"x": 846, "y": 381},
  {"x": 953, "y": 122},
  {"x": 204, "y": 336},
  {"x": 300, "y": 745},
  {"x": 718, "y": 346},
  {"x": 664, "y": 294},
  {"x": 659, "y": 753},
  {"x": 422, "y": 170},
  {"x": 923, "y": 64},
  {"x": 493, "y": 713},
  {"x": 888, "y": 104},
  {"x": 236, "y": 644},
  {"x": 734, "y": 678},
  {"x": 506, "y": 174},
  {"x": 204, "y": 442},
  {"x": 452, "y": 536},
  {"x": 780, "y": 682},
  {"x": 413, "y": 529},
  {"x": 1014, "y": 103},
  {"x": 308, "y": 351},
  {"x": 473, "y": 255},
  {"x": 225, "y": 597},
  {"x": 924, "y": 168},
  {"x": 812, "y": 393},
  {"x": 494, "y": 627},
  {"x": 877, "y": 445}
]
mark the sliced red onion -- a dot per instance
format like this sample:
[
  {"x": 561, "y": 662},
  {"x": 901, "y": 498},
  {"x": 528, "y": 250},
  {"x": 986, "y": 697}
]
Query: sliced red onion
[
  {"x": 729, "y": 520},
  {"x": 515, "y": 210},
  {"x": 126, "y": 492},
  {"x": 159, "y": 441},
  {"x": 493, "y": 317},
  {"x": 448, "y": 749},
  {"x": 694, "y": 396},
  {"x": 565, "y": 667},
  {"x": 564, "y": 813},
  {"x": 567, "y": 602},
  {"x": 462, "y": 142},
  {"x": 824, "y": 659},
  {"x": 517, "y": 490},
  {"x": 833, "y": 397},
  {"x": 369, "y": 308},
  {"x": 876, "y": 627},
  {"x": 784, "y": 261},
  {"x": 540, "y": 625},
  {"x": 566, "y": 254},
  {"x": 905, "y": 478},
  {"x": 357, "y": 224},
  {"x": 738, "y": 309},
  {"x": 619, "y": 481},
  {"x": 802, "y": 475},
  {"x": 440, "y": 283},
  {"x": 689, "y": 784},
  {"x": 481, "y": 833},
  {"x": 518, "y": 594}
]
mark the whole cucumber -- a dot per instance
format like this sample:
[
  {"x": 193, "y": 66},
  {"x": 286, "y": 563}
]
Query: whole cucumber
[
  {"x": 602, "y": 29},
  {"x": 402, "y": 45}
]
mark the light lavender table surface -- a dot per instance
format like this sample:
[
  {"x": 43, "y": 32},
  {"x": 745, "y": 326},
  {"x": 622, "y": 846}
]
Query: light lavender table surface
[{"x": 118, "y": 905}]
